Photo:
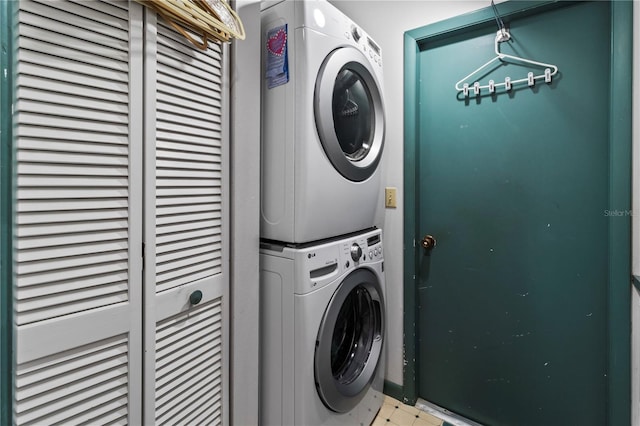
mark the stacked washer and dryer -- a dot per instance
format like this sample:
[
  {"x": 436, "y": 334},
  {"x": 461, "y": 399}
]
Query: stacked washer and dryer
[{"x": 322, "y": 283}]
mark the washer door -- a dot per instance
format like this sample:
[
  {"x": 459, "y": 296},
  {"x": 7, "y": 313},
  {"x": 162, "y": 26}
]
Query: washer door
[
  {"x": 349, "y": 113},
  {"x": 349, "y": 343}
]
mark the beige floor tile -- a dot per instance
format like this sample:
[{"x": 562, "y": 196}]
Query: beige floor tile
[
  {"x": 409, "y": 409},
  {"x": 429, "y": 418},
  {"x": 386, "y": 410},
  {"x": 401, "y": 417},
  {"x": 379, "y": 421},
  {"x": 422, "y": 422}
]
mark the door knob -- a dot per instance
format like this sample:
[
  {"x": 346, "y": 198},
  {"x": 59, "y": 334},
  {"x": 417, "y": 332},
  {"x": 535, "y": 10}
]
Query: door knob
[
  {"x": 428, "y": 242},
  {"x": 195, "y": 297}
]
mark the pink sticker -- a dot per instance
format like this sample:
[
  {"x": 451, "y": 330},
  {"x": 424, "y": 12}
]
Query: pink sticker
[{"x": 276, "y": 44}]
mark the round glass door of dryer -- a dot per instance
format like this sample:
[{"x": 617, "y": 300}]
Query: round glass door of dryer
[
  {"x": 350, "y": 340},
  {"x": 349, "y": 113}
]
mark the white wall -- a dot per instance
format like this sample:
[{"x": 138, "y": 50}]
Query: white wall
[{"x": 386, "y": 22}]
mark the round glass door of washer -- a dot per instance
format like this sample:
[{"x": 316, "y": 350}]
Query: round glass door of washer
[
  {"x": 349, "y": 342},
  {"x": 349, "y": 113}
]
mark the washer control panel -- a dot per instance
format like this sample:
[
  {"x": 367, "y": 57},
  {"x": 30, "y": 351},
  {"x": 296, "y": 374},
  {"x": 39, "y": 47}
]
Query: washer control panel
[
  {"x": 321, "y": 264},
  {"x": 363, "y": 249}
]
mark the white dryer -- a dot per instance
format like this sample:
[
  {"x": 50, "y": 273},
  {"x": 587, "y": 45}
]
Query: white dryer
[
  {"x": 323, "y": 129},
  {"x": 322, "y": 332}
]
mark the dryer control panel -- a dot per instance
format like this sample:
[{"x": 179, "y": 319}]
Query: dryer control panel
[
  {"x": 327, "y": 19},
  {"x": 369, "y": 47}
]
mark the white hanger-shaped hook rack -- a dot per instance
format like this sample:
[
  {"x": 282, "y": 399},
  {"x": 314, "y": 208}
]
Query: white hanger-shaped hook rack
[{"x": 503, "y": 35}]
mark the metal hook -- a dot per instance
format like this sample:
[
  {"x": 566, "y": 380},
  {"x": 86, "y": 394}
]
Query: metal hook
[{"x": 499, "y": 21}]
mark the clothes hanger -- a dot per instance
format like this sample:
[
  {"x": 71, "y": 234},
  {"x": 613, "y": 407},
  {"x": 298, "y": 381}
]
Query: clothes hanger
[{"x": 503, "y": 35}]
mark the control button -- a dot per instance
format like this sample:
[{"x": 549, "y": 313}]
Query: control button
[
  {"x": 370, "y": 254},
  {"x": 355, "y": 32},
  {"x": 347, "y": 264},
  {"x": 375, "y": 252},
  {"x": 356, "y": 252}
]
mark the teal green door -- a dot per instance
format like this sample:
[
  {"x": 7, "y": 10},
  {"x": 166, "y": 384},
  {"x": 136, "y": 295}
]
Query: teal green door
[{"x": 513, "y": 318}]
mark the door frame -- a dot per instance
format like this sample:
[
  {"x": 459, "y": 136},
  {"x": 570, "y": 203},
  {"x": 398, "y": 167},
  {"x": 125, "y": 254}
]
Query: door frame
[
  {"x": 7, "y": 217},
  {"x": 620, "y": 136}
]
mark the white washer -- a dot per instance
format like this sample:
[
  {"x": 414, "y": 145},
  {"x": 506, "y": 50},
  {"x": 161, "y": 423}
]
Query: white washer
[
  {"x": 322, "y": 131},
  {"x": 322, "y": 332}
]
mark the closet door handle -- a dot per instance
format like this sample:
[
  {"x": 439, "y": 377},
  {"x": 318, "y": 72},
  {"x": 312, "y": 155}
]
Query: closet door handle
[{"x": 195, "y": 297}]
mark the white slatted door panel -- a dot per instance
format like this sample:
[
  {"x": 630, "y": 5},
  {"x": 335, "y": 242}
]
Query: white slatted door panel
[
  {"x": 185, "y": 229},
  {"x": 189, "y": 368},
  {"x": 87, "y": 384},
  {"x": 78, "y": 295},
  {"x": 188, "y": 162}
]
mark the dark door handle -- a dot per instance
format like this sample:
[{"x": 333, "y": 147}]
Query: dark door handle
[
  {"x": 195, "y": 297},
  {"x": 428, "y": 242}
]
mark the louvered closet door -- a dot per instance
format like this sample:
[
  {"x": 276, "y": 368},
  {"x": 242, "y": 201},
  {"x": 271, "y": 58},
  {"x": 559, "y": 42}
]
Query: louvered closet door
[
  {"x": 78, "y": 296},
  {"x": 185, "y": 230}
]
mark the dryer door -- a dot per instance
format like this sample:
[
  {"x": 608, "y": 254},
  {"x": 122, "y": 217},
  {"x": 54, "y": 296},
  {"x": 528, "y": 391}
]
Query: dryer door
[
  {"x": 349, "y": 342},
  {"x": 349, "y": 113}
]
